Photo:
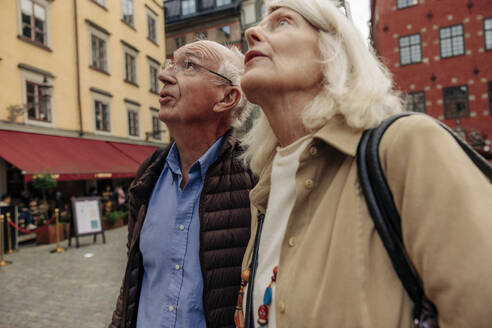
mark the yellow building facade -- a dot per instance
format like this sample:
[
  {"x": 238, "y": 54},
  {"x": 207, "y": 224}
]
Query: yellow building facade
[{"x": 82, "y": 69}]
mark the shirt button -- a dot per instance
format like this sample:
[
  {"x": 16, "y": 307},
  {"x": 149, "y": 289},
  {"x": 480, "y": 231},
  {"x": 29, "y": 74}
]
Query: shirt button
[
  {"x": 308, "y": 184},
  {"x": 292, "y": 241},
  {"x": 313, "y": 150},
  {"x": 177, "y": 267},
  {"x": 281, "y": 307},
  {"x": 181, "y": 227},
  {"x": 171, "y": 308}
]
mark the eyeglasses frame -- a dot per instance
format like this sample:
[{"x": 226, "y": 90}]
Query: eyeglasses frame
[{"x": 172, "y": 63}]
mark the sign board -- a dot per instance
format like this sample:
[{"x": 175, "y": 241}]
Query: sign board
[{"x": 87, "y": 216}]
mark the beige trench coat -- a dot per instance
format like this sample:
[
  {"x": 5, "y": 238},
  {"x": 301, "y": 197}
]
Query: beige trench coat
[{"x": 334, "y": 271}]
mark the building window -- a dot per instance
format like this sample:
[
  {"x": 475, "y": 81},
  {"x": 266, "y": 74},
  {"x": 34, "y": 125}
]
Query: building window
[
  {"x": 151, "y": 27},
  {"x": 133, "y": 123},
  {"x": 223, "y": 33},
  {"x": 154, "y": 81},
  {"x": 201, "y": 35},
  {"x": 156, "y": 127},
  {"x": 452, "y": 41},
  {"x": 223, "y": 2},
  {"x": 188, "y": 7},
  {"x": 179, "y": 42},
  {"x": 101, "y": 2},
  {"x": 400, "y": 4},
  {"x": 99, "y": 57},
  {"x": 34, "y": 20},
  {"x": 38, "y": 102},
  {"x": 410, "y": 49},
  {"x": 102, "y": 116},
  {"x": 490, "y": 97},
  {"x": 130, "y": 68},
  {"x": 415, "y": 102},
  {"x": 456, "y": 102},
  {"x": 487, "y": 33},
  {"x": 128, "y": 10}
]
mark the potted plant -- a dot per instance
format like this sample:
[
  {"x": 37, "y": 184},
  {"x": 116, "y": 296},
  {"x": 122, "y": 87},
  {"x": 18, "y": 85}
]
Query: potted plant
[{"x": 114, "y": 219}]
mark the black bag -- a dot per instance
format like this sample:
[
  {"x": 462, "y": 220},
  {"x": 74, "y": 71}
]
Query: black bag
[{"x": 387, "y": 220}]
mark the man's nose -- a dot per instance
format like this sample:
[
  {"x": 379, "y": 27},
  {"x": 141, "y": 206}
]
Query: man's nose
[{"x": 167, "y": 76}]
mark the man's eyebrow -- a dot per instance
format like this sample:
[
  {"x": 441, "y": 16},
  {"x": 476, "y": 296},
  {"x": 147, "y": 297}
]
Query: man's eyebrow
[{"x": 193, "y": 54}]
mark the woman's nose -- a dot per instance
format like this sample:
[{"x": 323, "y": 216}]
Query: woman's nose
[{"x": 253, "y": 35}]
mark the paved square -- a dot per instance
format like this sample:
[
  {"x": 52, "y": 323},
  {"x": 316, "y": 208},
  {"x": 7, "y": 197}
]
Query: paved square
[{"x": 71, "y": 289}]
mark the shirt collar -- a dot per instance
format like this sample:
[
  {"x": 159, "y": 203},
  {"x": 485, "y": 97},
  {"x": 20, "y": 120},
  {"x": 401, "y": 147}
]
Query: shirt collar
[{"x": 203, "y": 162}]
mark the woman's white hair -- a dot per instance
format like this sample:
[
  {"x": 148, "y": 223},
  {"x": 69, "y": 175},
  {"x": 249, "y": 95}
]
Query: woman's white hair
[{"x": 356, "y": 86}]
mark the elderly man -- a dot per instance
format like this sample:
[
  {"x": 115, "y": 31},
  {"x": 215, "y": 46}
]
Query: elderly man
[{"x": 189, "y": 217}]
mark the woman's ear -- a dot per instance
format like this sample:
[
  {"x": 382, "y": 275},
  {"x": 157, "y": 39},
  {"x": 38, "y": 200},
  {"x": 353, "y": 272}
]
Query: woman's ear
[{"x": 231, "y": 98}]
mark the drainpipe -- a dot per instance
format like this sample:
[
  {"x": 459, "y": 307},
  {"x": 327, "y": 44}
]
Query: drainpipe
[{"x": 77, "y": 64}]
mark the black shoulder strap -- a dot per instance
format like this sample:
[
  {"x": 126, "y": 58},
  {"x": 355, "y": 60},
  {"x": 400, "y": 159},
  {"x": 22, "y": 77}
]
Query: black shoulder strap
[{"x": 382, "y": 208}]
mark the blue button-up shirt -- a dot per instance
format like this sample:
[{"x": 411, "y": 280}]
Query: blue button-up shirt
[{"x": 172, "y": 285}]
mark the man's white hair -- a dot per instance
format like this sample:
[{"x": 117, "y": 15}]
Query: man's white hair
[
  {"x": 356, "y": 85},
  {"x": 233, "y": 68}
]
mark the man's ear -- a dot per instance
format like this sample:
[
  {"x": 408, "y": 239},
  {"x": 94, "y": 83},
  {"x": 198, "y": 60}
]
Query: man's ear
[{"x": 231, "y": 97}]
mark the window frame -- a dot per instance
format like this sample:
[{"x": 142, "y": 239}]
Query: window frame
[
  {"x": 177, "y": 41},
  {"x": 153, "y": 81},
  {"x": 485, "y": 32},
  {"x": 489, "y": 84},
  {"x": 191, "y": 12},
  {"x": 414, "y": 103},
  {"x": 445, "y": 102},
  {"x": 406, "y": 5},
  {"x": 124, "y": 5},
  {"x": 100, "y": 34},
  {"x": 38, "y": 79},
  {"x": 155, "y": 117},
  {"x": 46, "y": 35},
  {"x": 222, "y": 3},
  {"x": 129, "y": 53},
  {"x": 133, "y": 109},
  {"x": 106, "y": 100},
  {"x": 452, "y": 38},
  {"x": 151, "y": 16},
  {"x": 410, "y": 46}
]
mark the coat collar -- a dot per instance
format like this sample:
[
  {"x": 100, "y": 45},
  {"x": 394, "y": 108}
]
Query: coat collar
[{"x": 335, "y": 133}]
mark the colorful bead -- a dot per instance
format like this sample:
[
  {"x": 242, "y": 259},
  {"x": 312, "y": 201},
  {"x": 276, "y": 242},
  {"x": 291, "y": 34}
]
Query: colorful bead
[
  {"x": 267, "y": 298},
  {"x": 263, "y": 322},
  {"x": 263, "y": 312},
  {"x": 245, "y": 275}
]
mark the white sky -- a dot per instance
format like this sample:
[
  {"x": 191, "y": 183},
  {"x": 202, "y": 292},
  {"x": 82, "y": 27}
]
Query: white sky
[{"x": 361, "y": 15}]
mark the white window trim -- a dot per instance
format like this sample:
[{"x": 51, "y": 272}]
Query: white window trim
[
  {"x": 46, "y": 5},
  {"x": 37, "y": 78},
  {"x": 154, "y": 16},
  {"x": 133, "y": 53},
  {"x": 93, "y": 31},
  {"x": 104, "y": 99},
  {"x": 133, "y": 108}
]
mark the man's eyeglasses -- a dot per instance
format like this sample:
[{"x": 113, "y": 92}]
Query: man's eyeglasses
[{"x": 188, "y": 66}]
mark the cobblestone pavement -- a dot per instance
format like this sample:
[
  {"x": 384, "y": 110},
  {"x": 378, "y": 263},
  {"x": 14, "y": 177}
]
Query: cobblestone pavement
[{"x": 70, "y": 289}]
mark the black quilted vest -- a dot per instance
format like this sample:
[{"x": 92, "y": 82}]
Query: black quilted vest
[{"x": 224, "y": 233}]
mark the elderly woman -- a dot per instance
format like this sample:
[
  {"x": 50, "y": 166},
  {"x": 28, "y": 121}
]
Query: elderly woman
[{"x": 319, "y": 260}]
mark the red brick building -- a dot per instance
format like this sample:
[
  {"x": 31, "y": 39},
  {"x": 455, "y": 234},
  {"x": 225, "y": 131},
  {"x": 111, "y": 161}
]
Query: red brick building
[{"x": 440, "y": 53}]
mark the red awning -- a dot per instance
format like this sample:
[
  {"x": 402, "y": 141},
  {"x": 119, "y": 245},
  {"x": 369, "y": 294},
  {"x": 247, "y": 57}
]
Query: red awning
[
  {"x": 70, "y": 158},
  {"x": 135, "y": 152}
]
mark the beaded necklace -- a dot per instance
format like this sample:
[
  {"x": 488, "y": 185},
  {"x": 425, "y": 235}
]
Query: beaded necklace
[
  {"x": 267, "y": 300},
  {"x": 263, "y": 310}
]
